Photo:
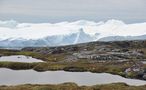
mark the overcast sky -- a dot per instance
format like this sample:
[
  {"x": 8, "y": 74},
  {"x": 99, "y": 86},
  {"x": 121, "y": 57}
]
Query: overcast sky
[{"x": 71, "y": 10}]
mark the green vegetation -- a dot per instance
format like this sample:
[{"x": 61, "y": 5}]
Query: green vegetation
[
  {"x": 74, "y": 67},
  {"x": 17, "y": 65},
  {"x": 73, "y": 86}
]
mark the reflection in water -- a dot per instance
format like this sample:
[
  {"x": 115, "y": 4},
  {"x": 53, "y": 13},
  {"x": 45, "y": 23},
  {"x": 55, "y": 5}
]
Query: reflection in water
[{"x": 14, "y": 77}]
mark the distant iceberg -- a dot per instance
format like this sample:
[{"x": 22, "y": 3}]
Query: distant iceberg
[{"x": 15, "y": 34}]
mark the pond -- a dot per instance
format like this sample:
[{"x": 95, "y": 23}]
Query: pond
[
  {"x": 15, "y": 77},
  {"x": 19, "y": 58}
]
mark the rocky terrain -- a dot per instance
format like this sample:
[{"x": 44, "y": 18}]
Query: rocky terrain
[
  {"x": 124, "y": 58},
  {"x": 97, "y": 51}
]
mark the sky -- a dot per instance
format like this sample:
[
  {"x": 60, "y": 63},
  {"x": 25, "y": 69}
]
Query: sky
[{"x": 38, "y": 11}]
